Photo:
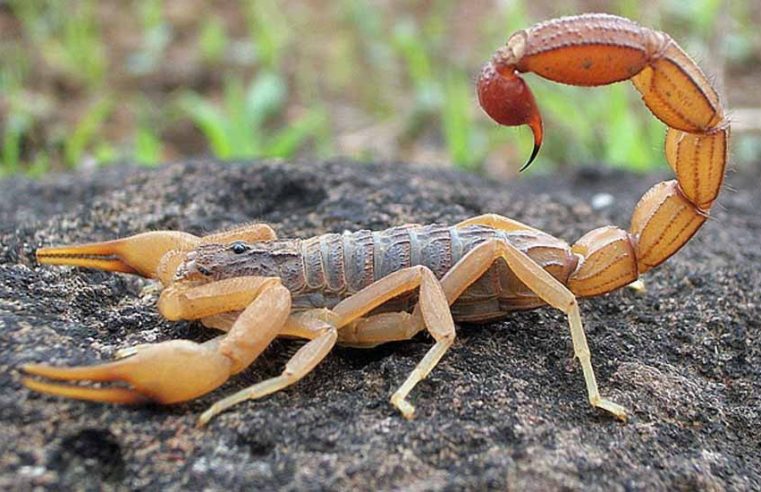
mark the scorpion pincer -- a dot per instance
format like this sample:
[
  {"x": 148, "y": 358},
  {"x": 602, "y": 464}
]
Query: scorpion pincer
[{"x": 367, "y": 288}]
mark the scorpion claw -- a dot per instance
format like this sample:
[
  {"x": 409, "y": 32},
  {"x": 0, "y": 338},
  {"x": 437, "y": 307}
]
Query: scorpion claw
[
  {"x": 105, "y": 395},
  {"x": 102, "y": 256},
  {"x": 140, "y": 254},
  {"x": 168, "y": 372}
]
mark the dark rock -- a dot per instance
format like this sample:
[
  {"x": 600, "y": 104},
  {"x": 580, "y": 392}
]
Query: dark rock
[{"x": 504, "y": 409}]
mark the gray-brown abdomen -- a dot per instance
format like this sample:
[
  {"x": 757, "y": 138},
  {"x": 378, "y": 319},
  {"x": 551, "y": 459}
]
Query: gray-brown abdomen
[{"x": 338, "y": 265}]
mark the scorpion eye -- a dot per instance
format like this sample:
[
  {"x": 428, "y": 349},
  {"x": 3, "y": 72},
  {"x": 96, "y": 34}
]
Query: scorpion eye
[{"x": 239, "y": 247}]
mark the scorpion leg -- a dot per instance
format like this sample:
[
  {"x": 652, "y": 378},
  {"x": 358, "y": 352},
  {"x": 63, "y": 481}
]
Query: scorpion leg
[
  {"x": 322, "y": 337},
  {"x": 389, "y": 327},
  {"x": 221, "y": 321},
  {"x": 381, "y": 328},
  {"x": 432, "y": 305},
  {"x": 474, "y": 264},
  {"x": 180, "y": 370}
]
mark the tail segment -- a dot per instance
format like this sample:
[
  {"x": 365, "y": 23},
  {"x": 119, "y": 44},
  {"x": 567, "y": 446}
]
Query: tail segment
[{"x": 599, "y": 49}]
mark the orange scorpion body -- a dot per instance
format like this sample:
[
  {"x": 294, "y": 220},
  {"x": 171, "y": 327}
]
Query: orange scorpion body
[{"x": 365, "y": 288}]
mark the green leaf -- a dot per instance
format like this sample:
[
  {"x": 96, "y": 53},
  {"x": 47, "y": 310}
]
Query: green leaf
[
  {"x": 12, "y": 134},
  {"x": 456, "y": 122},
  {"x": 210, "y": 121},
  {"x": 213, "y": 39},
  {"x": 242, "y": 130},
  {"x": 288, "y": 141},
  {"x": 85, "y": 130},
  {"x": 148, "y": 146},
  {"x": 412, "y": 47},
  {"x": 265, "y": 98},
  {"x": 270, "y": 30}
]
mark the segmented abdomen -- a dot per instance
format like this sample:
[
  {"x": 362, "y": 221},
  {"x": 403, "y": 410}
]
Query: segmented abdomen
[{"x": 338, "y": 265}]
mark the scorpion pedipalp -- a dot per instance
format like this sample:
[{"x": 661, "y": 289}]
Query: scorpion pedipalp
[
  {"x": 140, "y": 254},
  {"x": 167, "y": 372},
  {"x": 178, "y": 370}
]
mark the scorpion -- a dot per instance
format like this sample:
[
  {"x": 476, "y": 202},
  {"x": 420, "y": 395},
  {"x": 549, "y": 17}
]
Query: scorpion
[{"x": 367, "y": 288}]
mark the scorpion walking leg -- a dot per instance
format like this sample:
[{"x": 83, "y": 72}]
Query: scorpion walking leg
[
  {"x": 322, "y": 336},
  {"x": 548, "y": 288},
  {"x": 180, "y": 370},
  {"x": 221, "y": 321},
  {"x": 381, "y": 328},
  {"x": 433, "y": 307}
]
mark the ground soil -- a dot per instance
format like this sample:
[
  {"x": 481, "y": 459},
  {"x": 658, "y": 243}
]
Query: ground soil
[{"x": 504, "y": 409}]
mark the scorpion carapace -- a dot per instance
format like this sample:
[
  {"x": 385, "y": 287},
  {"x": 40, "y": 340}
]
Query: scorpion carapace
[{"x": 366, "y": 288}]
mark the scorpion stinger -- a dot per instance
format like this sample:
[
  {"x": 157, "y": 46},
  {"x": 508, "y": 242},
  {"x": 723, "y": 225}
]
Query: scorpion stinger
[{"x": 506, "y": 97}]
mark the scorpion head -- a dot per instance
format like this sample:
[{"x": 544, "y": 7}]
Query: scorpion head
[{"x": 216, "y": 261}]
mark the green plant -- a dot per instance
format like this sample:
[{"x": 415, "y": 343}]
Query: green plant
[
  {"x": 269, "y": 31},
  {"x": 16, "y": 124},
  {"x": 67, "y": 35},
  {"x": 148, "y": 147},
  {"x": 213, "y": 40},
  {"x": 84, "y": 133},
  {"x": 274, "y": 79},
  {"x": 465, "y": 141},
  {"x": 155, "y": 39},
  {"x": 239, "y": 127}
]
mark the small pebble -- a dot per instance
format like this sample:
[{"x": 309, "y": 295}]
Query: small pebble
[{"x": 602, "y": 200}]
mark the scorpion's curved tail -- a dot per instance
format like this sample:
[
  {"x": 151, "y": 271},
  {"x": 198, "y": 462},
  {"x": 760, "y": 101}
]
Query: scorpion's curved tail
[{"x": 599, "y": 49}]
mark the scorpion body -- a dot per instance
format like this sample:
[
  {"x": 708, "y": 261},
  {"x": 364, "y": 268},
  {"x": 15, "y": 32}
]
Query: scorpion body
[
  {"x": 366, "y": 288},
  {"x": 321, "y": 271}
]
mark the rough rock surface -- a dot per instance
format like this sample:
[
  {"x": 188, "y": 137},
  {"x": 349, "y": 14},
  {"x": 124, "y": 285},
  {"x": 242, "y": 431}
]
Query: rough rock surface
[{"x": 505, "y": 408}]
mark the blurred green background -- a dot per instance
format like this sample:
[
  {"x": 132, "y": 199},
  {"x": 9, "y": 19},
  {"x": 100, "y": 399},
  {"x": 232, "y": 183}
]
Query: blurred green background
[{"x": 87, "y": 83}]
